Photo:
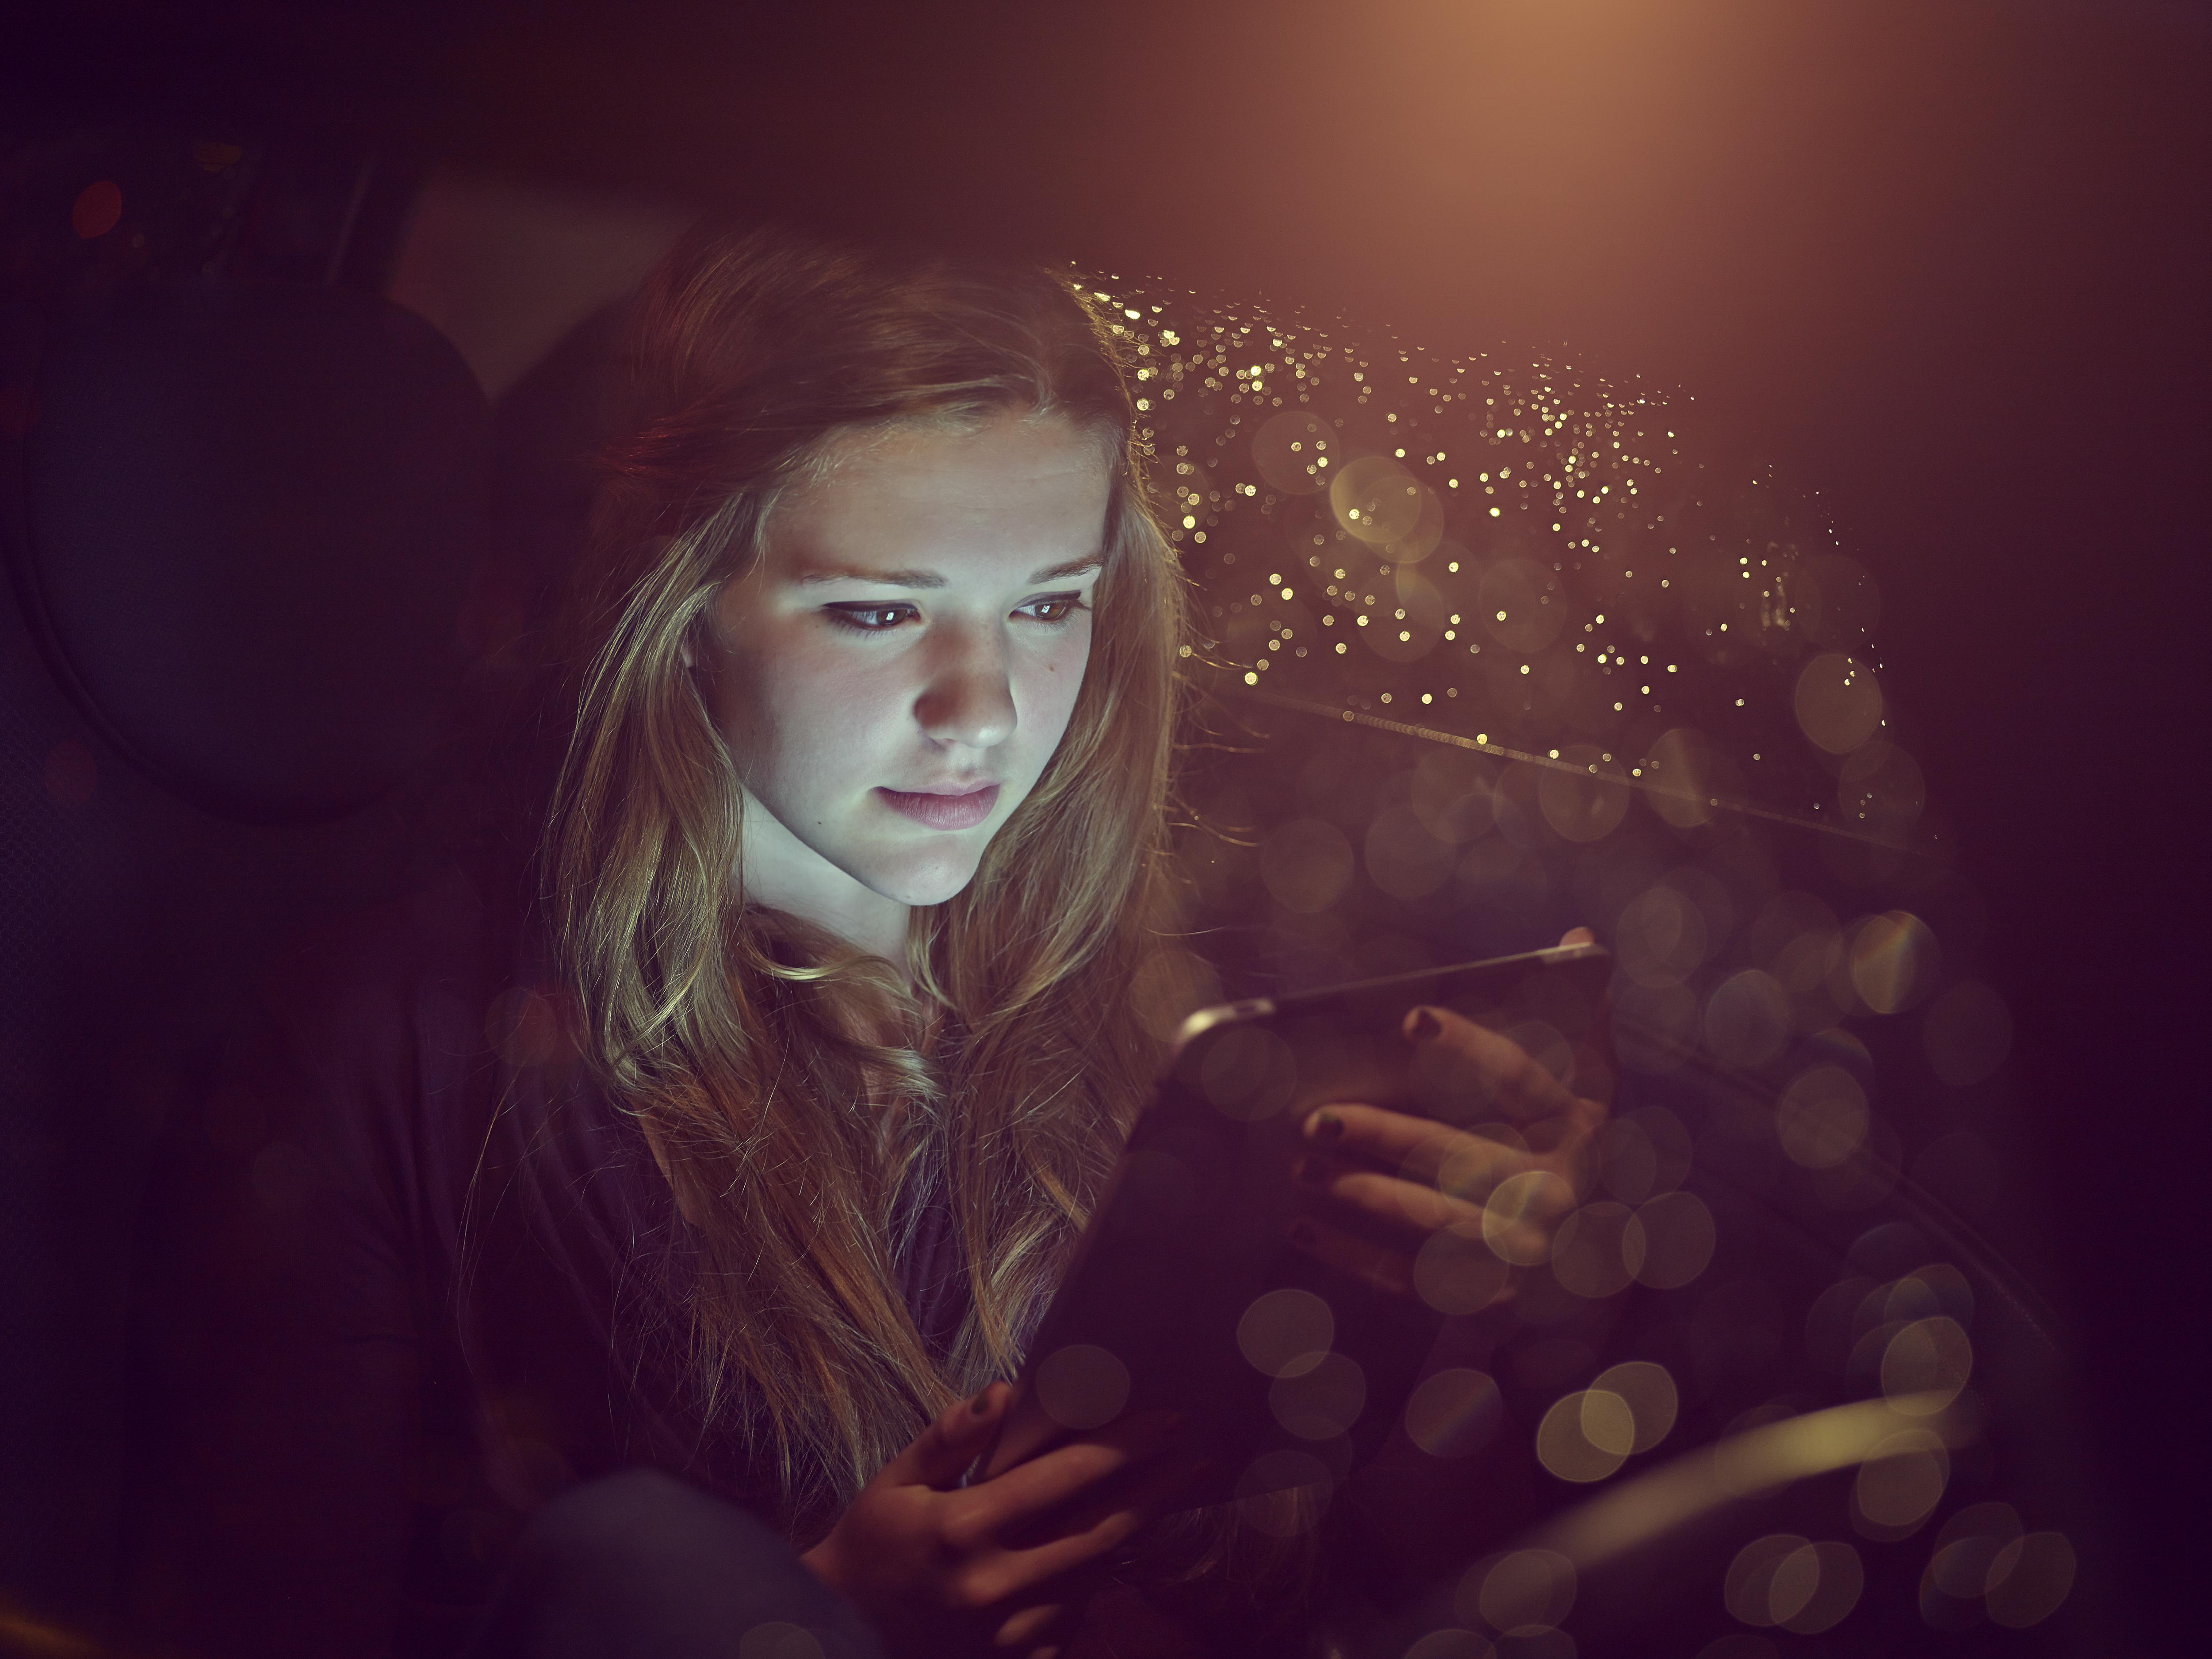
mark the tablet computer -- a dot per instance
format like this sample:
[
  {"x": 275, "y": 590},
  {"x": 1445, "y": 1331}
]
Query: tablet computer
[{"x": 1185, "y": 1293}]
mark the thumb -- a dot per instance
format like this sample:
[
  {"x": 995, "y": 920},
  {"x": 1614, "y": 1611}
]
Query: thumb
[{"x": 941, "y": 1453}]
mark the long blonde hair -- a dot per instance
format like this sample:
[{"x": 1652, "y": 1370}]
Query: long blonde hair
[{"x": 796, "y": 1093}]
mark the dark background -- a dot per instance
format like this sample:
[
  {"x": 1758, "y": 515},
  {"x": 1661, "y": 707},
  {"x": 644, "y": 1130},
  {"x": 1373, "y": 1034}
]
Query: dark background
[{"x": 1943, "y": 262}]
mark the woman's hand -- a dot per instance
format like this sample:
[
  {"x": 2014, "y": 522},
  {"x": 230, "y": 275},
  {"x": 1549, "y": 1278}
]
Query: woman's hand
[
  {"x": 976, "y": 1565},
  {"x": 1405, "y": 1179}
]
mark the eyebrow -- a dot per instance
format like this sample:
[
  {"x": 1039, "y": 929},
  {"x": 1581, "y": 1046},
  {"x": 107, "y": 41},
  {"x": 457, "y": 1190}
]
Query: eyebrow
[{"x": 931, "y": 578}]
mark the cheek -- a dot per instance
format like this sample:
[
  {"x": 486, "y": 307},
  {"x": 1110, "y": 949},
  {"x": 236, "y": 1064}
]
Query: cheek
[
  {"x": 1053, "y": 681},
  {"x": 792, "y": 714}
]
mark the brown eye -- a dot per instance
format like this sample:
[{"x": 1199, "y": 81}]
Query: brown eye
[
  {"x": 870, "y": 619},
  {"x": 1055, "y": 608}
]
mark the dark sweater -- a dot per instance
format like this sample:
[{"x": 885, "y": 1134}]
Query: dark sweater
[
  {"x": 366, "y": 1345},
  {"x": 371, "y": 1336}
]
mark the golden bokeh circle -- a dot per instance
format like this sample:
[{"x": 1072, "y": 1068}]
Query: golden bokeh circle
[
  {"x": 1286, "y": 1332},
  {"x": 1926, "y": 1365},
  {"x": 1647, "y": 1389},
  {"x": 1669, "y": 1241},
  {"x": 1586, "y": 1251},
  {"x": 1900, "y": 1483},
  {"x": 1563, "y": 1445},
  {"x": 1082, "y": 1386},
  {"x": 1454, "y": 1413},
  {"x": 1377, "y": 499},
  {"x": 2030, "y": 1578},
  {"x": 1522, "y": 1593},
  {"x": 1838, "y": 702},
  {"x": 1320, "y": 1401},
  {"x": 1514, "y": 1213}
]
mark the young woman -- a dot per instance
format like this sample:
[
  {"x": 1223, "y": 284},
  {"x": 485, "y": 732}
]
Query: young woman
[
  {"x": 751, "y": 1145},
  {"x": 860, "y": 838}
]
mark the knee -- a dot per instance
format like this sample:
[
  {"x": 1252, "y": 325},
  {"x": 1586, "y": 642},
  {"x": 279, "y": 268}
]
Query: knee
[{"x": 642, "y": 1565}]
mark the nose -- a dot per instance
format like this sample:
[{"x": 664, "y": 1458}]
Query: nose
[{"x": 968, "y": 699}]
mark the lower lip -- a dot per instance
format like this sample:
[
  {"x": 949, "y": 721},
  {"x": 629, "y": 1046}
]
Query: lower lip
[{"x": 943, "y": 811}]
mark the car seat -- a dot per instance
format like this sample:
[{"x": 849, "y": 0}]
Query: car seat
[{"x": 241, "y": 516}]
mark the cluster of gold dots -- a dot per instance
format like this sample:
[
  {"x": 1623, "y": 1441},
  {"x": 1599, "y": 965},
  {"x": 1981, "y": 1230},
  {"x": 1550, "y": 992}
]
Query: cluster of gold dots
[{"x": 1519, "y": 553}]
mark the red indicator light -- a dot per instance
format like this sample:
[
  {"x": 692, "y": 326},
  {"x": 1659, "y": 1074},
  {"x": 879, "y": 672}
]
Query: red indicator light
[{"x": 98, "y": 208}]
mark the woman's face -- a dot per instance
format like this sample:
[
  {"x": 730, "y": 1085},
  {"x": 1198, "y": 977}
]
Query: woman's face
[{"x": 895, "y": 672}]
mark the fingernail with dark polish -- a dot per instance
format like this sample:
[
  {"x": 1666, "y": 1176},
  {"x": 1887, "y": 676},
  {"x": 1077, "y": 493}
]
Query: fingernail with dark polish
[
  {"x": 1326, "y": 1128},
  {"x": 1303, "y": 1233},
  {"x": 980, "y": 1403},
  {"x": 1427, "y": 1026}
]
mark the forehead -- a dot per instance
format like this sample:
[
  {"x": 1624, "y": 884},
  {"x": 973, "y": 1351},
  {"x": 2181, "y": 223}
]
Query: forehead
[{"x": 1010, "y": 488}]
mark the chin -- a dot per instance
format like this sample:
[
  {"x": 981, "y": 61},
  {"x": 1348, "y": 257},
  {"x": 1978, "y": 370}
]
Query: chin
[{"x": 924, "y": 881}]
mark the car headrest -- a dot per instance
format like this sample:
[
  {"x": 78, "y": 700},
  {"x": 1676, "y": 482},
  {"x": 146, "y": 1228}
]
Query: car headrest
[{"x": 246, "y": 517}]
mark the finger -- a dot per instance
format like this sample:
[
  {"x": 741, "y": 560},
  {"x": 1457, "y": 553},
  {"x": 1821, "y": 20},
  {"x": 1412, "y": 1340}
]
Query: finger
[
  {"x": 1081, "y": 1537},
  {"x": 1149, "y": 1488},
  {"x": 1410, "y": 1207},
  {"x": 1030, "y": 1489},
  {"x": 1348, "y": 1130},
  {"x": 1473, "y": 1165},
  {"x": 1387, "y": 1270},
  {"x": 1495, "y": 1061},
  {"x": 1420, "y": 1147},
  {"x": 941, "y": 1453},
  {"x": 1465, "y": 1164},
  {"x": 1137, "y": 1484},
  {"x": 1591, "y": 1076},
  {"x": 1517, "y": 1223},
  {"x": 992, "y": 1573},
  {"x": 1022, "y": 1628},
  {"x": 1577, "y": 936},
  {"x": 1517, "y": 1218},
  {"x": 1037, "y": 1621}
]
